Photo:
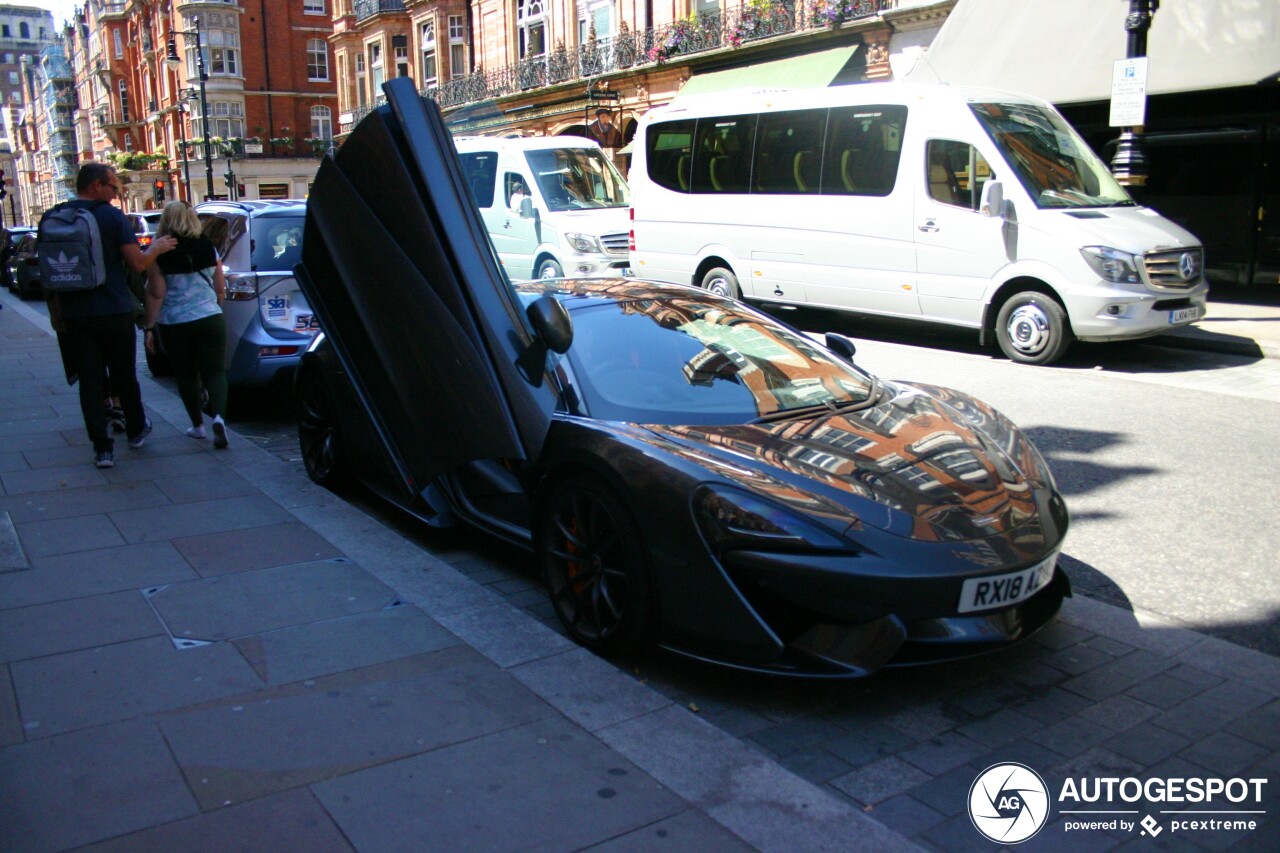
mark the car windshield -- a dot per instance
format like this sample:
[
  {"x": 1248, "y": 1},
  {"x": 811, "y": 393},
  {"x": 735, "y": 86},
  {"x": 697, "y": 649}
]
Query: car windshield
[
  {"x": 1053, "y": 163},
  {"x": 277, "y": 242},
  {"x": 577, "y": 178},
  {"x": 691, "y": 361}
]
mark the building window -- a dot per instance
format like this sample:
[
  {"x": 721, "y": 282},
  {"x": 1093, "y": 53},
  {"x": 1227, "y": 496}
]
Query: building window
[
  {"x": 24, "y": 31},
  {"x": 430, "y": 73},
  {"x": 124, "y": 102},
  {"x": 400, "y": 47},
  {"x": 221, "y": 43},
  {"x": 360, "y": 90},
  {"x": 457, "y": 47},
  {"x": 317, "y": 59},
  {"x": 273, "y": 190},
  {"x": 377, "y": 73},
  {"x": 5, "y": 32},
  {"x": 313, "y": 7},
  {"x": 13, "y": 78},
  {"x": 531, "y": 21},
  {"x": 321, "y": 123},
  {"x": 119, "y": 44},
  {"x": 228, "y": 118},
  {"x": 595, "y": 18},
  {"x": 8, "y": 59}
]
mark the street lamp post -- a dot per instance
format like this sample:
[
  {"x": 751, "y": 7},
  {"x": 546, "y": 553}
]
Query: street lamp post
[
  {"x": 171, "y": 58},
  {"x": 1129, "y": 163},
  {"x": 182, "y": 135}
]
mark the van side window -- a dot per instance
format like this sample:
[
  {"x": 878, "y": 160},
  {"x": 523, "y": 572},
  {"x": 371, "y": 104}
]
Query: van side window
[
  {"x": 789, "y": 152},
  {"x": 722, "y": 155},
  {"x": 955, "y": 173},
  {"x": 669, "y": 154},
  {"x": 481, "y": 169},
  {"x": 864, "y": 145}
]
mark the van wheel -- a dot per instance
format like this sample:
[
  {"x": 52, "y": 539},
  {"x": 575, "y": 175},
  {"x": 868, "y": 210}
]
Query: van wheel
[
  {"x": 722, "y": 282},
  {"x": 1032, "y": 328},
  {"x": 550, "y": 269}
]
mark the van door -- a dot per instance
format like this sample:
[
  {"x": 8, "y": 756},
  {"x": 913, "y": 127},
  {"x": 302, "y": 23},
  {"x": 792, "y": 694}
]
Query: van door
[
  {"x": 513, "y": 238},
  {"x": 958, "y": 249}
]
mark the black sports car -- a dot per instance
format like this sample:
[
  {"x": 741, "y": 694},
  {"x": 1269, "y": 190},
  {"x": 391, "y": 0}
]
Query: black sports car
[{"x": 687, "y": 470}]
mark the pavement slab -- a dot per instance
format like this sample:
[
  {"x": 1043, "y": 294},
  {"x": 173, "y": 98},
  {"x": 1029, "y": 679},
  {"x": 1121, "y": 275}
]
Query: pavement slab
[
  {"x": 90, "y": 687},
  {"x": 290, "y": 821},
  {"x": 233, "y": 753},
  {"x": 464, "y": 797},
  {"x": 83, "y": 786},
  {"x": 82, "y": 623},
  {"x": 85, "y": 573},
  {"x": 245, "y": 550},
  {"x": 237, "y": 605}
]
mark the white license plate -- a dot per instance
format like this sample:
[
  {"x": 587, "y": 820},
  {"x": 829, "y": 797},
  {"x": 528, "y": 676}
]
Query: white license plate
[
  {"x": 994, "y": 591},
  {"x": 1184, "y": 315}
]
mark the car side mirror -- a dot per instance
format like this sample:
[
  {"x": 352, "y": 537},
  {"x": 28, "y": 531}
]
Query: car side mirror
[
  {"x": 841, "y": 346},
  {"x": 992, "y": 203},
  {"x": 552, "y": 323},
  {"x": 526, "y": 208}
]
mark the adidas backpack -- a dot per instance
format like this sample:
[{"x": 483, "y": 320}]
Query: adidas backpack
[{"x": 70, "y": 250}]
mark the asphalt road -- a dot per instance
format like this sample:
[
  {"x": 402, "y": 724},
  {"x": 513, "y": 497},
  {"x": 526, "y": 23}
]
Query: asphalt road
[{"x": 1164, "y": 455}]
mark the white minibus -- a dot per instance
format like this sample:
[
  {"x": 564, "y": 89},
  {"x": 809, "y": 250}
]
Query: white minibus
[
  {"x": 972, "y": 207},
  {"x": 553, "y": 205}
]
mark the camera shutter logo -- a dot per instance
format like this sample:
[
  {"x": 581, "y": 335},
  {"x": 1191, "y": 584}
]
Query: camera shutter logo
[{"x": 1008, "y": 803}]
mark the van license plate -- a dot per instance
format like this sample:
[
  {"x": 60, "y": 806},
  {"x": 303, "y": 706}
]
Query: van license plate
[
  {"x": 994, "y": 591},
  {"x": 1184, "y": 315}
]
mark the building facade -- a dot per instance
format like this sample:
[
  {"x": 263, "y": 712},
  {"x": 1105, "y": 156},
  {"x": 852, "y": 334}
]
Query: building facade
[
  {"x": 24, "y": 32},
  {"x": 544, "y": 67}
]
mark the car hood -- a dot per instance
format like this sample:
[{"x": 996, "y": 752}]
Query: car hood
[
  {"x": 1129, "y": 229},
  {"x": 925, "y": 463}
]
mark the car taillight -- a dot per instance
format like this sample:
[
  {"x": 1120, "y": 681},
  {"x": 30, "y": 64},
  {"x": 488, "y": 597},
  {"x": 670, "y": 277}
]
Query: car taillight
[
  {"x": 242, "y": 286},
  {"x": 277, "y": 350}
]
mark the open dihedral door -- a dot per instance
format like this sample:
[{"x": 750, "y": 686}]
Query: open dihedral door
[{"x": 398, "y": 266}]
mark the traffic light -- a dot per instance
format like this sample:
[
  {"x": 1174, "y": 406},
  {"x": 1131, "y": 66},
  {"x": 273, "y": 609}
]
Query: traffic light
[
  {"x": 158, "y": 192},
  {"x": 229, "y": 177}
]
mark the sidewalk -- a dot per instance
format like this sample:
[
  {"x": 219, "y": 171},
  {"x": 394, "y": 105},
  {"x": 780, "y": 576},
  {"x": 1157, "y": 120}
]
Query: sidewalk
[
  {"x": 1232, "y": 326},
  {"x": 188, "y": 663},
  {"x": 201, "y": 650}
]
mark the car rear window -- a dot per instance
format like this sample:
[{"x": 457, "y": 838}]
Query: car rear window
[{"x": 277, "y": 242}]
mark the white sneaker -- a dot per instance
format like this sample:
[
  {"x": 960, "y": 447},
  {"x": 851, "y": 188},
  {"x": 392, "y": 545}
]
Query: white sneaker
[
  {"x": 219, "y": 433},
  {"x": 196, "y": 431}
]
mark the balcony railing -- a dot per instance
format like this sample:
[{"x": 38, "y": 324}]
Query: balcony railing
[
  {"x": 369, "y": 8},
  {"x": 730, "y": 28}
]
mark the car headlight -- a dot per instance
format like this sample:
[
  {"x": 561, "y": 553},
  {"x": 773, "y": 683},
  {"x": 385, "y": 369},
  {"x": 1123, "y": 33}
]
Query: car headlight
[
  {"x": 1112, "y": 264},
  {"x": 733, "y": 519},
  {"x": 585, "y": 243}
]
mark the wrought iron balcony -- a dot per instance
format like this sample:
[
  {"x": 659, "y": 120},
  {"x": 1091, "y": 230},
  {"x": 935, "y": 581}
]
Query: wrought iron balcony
[
  {"x": 369, "y": 8},
  {"x": 725, "y": 29}
]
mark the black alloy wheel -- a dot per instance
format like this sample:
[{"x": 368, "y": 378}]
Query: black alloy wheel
[
  {"x": 318, "y": 434},
  {"x": 594, "y": 564}
]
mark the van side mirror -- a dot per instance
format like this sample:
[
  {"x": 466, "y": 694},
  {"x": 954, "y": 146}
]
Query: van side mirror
[
  {"x": 841, "y": 346},
  {"x": 552, "y": 323},
  {"x": 526, "y": 208},
  {"x": 992, "y": 203}
]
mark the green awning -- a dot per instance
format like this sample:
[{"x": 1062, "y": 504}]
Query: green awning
[{"x": 807, "y": 71}]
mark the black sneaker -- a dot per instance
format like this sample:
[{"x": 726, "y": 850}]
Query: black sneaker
[
  {"x": 115, "y": 417},
  {"x": 140, "y": 439},
  {"x": 104, "y": 459}
]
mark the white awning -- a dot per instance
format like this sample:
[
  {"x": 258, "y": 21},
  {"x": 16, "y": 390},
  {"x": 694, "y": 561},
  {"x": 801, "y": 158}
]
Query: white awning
[{"x": 1064, "y": 51}]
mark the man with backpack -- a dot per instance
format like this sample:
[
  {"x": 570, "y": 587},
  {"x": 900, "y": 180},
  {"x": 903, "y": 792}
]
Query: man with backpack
[{"x": 85, "y": 246}]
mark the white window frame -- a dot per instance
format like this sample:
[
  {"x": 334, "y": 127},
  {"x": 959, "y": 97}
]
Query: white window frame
[
  {"x": 531, "y": 26},
  {"x": 430, "y": 57},
  {"x": 317, "y": 60},
  {"x": 119, "y": 43},
  {"x": 321, "y": 122},
  {"x": 313, "y": 7},
  {"x": 457, "y": 47}
]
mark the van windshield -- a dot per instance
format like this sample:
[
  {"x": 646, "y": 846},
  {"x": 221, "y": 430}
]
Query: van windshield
[
  {"x": 577, "y": 179},
  {"x": 1053, "y": 163}
]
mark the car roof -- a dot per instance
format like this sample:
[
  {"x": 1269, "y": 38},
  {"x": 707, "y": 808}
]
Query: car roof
[{"x": 257, "y": 207}]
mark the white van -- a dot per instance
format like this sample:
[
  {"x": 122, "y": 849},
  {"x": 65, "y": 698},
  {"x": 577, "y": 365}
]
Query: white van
[
  {"x": 553, "y": 205},
  {"x": 971, "y": 207}
]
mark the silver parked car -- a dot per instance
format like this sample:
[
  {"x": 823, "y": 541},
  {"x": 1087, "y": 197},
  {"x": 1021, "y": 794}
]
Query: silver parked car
[{"x": 269, "y": 323}]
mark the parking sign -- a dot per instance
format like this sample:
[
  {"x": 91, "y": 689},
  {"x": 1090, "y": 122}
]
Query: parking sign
[{"x": 1129, "y": 92}]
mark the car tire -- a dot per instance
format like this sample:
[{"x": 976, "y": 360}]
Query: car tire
[
  {"x": 550, "y": 268},
  {"x": 595, "y": 566},
  {"x": 318, "y": 435},
  {"x": 722, "y": 282},
  {"x": 1032, "y": 328}
]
